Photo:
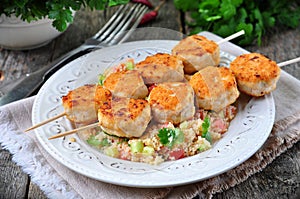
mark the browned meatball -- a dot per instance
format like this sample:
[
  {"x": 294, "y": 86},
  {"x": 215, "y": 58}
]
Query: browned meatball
[{"x": 256, "y": 75}]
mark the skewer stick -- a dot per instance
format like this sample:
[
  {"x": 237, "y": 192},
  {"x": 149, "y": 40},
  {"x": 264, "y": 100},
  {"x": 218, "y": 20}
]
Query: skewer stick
[
  {"x": 45, "y": 122},
  {"x": 235, "y": 35},
  {"x": 289, "y": 62},
  {"x": 73, "y": 131}
]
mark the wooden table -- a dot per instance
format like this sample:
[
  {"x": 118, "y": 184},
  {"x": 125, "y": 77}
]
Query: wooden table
[{"x": 280, "y": 179}]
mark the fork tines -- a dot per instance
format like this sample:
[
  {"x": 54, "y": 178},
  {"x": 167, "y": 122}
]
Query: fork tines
[{"x": 127, "y": 17}]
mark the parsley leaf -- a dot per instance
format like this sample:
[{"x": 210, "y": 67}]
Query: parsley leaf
[
  {"x": 205, "y": 129},
  {"x": 101, "y": 79},
  {"x": 186, "y": 5},
  {"x": 225, "y": 17},
  {"x": 58, "y": 10},
  {"x": 169, "y": 137}
]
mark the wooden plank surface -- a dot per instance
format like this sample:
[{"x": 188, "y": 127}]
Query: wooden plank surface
[
  {"x": 13, "y": 181},
  {"x": 280, "y": 179}
]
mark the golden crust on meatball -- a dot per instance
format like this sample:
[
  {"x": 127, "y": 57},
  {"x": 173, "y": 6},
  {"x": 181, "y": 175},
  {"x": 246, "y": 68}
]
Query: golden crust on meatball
[
  {"x": 163, "y": 97},
  {"x": 172, "y": 102},
  {"x": 128, "y": 83},
  {"x": 124, "y": 117},
  {"x": 101, "y": 95},
  {"x": 208, "y": 45},
  {"x": 82, "y": 103},
  {"x": 256, "y": 74},
  {"x": 161, "y": 67},
  {"x": 161, "y": 59}
]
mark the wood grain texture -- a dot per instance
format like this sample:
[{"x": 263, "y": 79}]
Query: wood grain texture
[
  {"x": 281, "y": 45},
  {"x": 280, "y": 179},
  {"x": 13, "y": 181},
  {"x": 35, "y": 192}
]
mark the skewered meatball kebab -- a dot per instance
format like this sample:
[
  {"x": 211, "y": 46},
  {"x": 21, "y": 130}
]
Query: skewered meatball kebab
[
  {"x": 171, "y": 98},
  {"x": 127, "y": 113},
  {"x": 198, "y": 52},
  {"x": 214, "y": 87},
  {"x": 256, "y": 74},
  {"x": 166, "y": 67},
  {"x": 81, "y": 105}
]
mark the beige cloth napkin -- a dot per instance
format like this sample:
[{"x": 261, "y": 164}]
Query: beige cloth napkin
[{"x": 57, "y": 181}]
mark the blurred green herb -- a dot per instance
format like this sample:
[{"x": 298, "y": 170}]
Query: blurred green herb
[
  {"x": 225, "y": 17},
  {"x": 205, "y": 129},
  {"x": 93, "y": 141},
  {"x": 101, "y": 79},
  {"x": 169, "y": 137},
  {"x": 58, "y": 10}
]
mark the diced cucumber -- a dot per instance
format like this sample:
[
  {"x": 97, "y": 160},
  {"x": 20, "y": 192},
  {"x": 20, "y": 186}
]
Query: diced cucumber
[
  {"x": 136, "y": 146},
  {"x": 93, "y": 141},
  {"x": 129, "y": 65},
  {"x": 148, "y": 150},
  {"x": 105, "y": 142},
  {"x": 179, "y": 136},
  {"x": 112, "y": 152},
  {"x": 184, "y": 125}
]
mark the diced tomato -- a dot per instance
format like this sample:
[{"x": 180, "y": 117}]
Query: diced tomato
[
  {"x": 176, "y": 154},
  {"x": 124, "y": 155},
  {"x": 219, "y": 125}
]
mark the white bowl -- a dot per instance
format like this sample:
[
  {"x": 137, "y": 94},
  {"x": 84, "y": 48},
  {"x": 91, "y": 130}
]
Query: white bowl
[{"x": 20, "y": 35}]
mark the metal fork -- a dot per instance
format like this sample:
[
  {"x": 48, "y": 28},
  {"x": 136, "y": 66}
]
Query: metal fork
[{"x": 115, "y": 31}]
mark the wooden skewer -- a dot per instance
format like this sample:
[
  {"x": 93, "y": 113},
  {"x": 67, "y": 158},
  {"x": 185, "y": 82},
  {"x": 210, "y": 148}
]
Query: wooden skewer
[
  {"x": 289, "y": 62},
  {"x": 96, "y": 124},
  {"x": 235, "y": 35},
  {"x": 45, "y": 122},
  {"x": 63, "y": 114},
  {"x": 73, "y": 131}
]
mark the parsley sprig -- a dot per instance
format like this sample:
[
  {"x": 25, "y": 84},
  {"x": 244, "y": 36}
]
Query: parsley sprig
[
  {"x": 225, "y": 17},
  {"x": 101, "y": 79},
  {"x": 205, "y": 129},
  {"x": 170, "y": 136},
  {"x": 58, "y": 10}
]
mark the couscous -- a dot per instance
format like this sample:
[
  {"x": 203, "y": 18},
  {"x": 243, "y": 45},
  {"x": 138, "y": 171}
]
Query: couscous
[{"x": 164, "y": 142}]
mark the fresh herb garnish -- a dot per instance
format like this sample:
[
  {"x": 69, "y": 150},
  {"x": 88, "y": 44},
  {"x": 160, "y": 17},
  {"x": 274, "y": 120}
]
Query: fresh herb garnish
[
  {"x": 101, "y": 79},
  {"x": 169, "y": 137},
  {"x": 225, "y": 17},
  {"x": 59, "y": 10},
  {"x": 205, "y": 129}
]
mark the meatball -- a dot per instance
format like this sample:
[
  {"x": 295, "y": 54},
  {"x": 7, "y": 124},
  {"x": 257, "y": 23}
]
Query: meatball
[
  {"x": 256, "y": 74},
  {"x": 126, "y": 84},
  {"x": 82, "y": 103},
  {"x": 215, "y": 88},
  {"x": 197, "y": 53},
  {"x": 160, "y": 68},
  {"x": 172, "y": 102},
  {"x": 124, "y": 117}
]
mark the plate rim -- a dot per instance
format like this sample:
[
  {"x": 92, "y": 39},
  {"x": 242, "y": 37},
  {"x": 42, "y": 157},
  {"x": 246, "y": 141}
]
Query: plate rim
[{"x": 56, "y": 156}]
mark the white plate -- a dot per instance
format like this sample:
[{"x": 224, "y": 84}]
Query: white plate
[{"x": 246, "y": 134}]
